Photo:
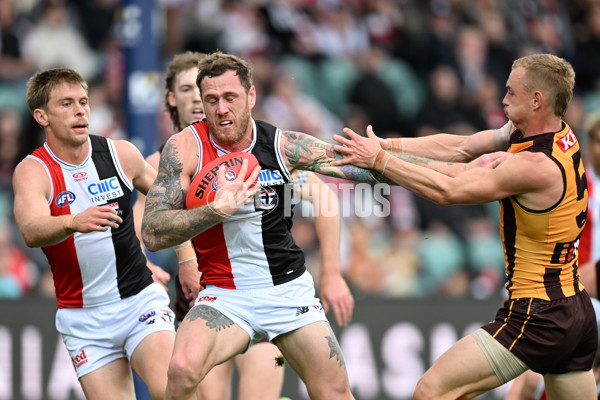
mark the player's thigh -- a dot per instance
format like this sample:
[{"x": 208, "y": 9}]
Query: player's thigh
[
  {"x": 261, "y": 376},
  {"x": 206, "y": 338},
  {"x": 150, "y": 360},
  {"x": 314, "y": 353},
  {"x": 216, "y": 385},
  {"x": 524, "y": 386},
  {"x": 111, "y": 381},
  {"x": 573, "y": 385},
  {"x": 463, "y": 370}
]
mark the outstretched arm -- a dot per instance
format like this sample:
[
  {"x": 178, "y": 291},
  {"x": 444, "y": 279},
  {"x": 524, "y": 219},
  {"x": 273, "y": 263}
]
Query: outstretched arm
[
  {"x": 448, "y": 147},
  {"x": 334, "y": 291},
  {"x": 364, "y": 151},
  {"x": 305, "y": 152},
  {"x": 472, "y": 186}
]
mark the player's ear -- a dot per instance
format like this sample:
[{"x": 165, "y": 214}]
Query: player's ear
[
  {"x": 40, "y": 116},
  {"x": 171, "y": 99},
  {"x": 252, "y": 97}
]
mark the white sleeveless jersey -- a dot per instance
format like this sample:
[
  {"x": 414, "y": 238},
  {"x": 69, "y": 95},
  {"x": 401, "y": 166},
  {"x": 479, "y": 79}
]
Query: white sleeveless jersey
[
  {"x": 95, "y": 268},
  {"x": 254, "y": 248}
]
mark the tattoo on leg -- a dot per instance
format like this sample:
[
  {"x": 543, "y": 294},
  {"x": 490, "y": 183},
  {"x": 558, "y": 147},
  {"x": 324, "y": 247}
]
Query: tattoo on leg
[
  {"x": 213, "y": 317},
  {"x": 334, "y": 349}
]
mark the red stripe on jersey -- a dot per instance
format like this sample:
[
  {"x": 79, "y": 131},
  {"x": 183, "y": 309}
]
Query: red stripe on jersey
[
  {"x": 216, "y": 268},
  {"x": 213, "y": 258},
  {"x": 68, "y": 283}
]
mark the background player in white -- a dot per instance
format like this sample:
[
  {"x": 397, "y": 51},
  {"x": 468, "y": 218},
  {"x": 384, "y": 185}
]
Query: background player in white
[{"x": 72, "y": 198}]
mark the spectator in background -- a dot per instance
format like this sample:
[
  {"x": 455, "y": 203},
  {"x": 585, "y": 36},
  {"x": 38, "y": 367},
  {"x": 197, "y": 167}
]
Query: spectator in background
[
  {"x": 14, "y": 66},
  {"x": 11, "y": 144},
  {"x": 371, "y": 93},
  {"x": 286, "y": 105},
  {"x": 470, "y": 51},
  {"x": 243, "y": 29},
  {"x": 97, "y": 20},
  {"x": 55, "y": 41},
  {"x": 587, "y": 50},
  {"x": 444, "y": 110}
]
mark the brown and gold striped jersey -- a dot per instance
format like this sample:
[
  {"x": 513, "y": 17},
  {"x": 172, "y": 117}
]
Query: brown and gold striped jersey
[{"x": 540, "y": 246}]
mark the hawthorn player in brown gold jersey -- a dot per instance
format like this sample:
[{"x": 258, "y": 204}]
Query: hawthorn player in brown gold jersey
[{"x": 548, "y": 323}]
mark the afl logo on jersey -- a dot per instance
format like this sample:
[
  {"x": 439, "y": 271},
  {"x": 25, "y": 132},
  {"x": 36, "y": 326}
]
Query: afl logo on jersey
[{"x": 65, "y": 198}]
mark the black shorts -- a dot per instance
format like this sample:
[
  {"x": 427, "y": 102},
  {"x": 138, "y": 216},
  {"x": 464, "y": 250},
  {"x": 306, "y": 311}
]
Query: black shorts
[{"x": 555, "y": 337}]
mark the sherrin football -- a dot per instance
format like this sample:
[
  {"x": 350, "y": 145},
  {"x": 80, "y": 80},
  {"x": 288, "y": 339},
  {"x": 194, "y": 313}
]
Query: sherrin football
[{"x": 204, "y": 185}]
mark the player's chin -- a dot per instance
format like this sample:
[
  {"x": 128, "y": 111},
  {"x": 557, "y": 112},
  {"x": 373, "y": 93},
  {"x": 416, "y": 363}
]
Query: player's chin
[{"x": 228, "y": 137}]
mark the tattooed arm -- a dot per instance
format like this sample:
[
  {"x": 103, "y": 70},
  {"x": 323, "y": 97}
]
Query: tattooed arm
[
  {"x": 302, "y": 151},
  {"x": 166, "y": 221},
  {"x": 363, "y": 151}
]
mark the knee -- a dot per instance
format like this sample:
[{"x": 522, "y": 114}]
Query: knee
[
  {"x": 330, "y": 390},
  {"x": 183, "y": 377}
]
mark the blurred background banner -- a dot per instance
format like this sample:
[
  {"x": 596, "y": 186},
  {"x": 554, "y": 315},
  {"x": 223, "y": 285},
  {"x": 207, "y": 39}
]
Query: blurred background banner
[
  {"x": 386, "y": 350},
  {"x": 139, "y": 35}
]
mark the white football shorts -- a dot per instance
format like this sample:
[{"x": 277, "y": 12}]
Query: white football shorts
[
  {"x": 95, "y": 336},
  {"x": 267, "y": 312}
]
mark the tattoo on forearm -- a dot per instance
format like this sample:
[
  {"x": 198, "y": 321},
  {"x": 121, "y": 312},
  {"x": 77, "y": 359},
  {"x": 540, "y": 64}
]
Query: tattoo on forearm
[
  {"x": 213, "y": 317},
  {"x": 165, "y": 223},
  {"x": 334, "y": 349},
  {"x": 315, "y": 155},
  {"x": 425, "y": 162}
]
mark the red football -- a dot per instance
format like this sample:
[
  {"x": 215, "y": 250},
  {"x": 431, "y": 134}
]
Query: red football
[{"x": 203, "y": 186}]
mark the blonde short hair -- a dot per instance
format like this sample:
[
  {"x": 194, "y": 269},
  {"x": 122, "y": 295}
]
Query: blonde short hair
[{"x": 552, "y": 75}]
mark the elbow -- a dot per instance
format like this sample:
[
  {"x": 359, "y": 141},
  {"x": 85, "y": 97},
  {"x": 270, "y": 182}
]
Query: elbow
[
  {"x": 30, "y": 239},
  {"x": 149, "y": 239},
  {"x": 30, "y": 242}
]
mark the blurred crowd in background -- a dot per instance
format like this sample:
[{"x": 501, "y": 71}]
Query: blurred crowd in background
[{"x": 407, "y": 67}]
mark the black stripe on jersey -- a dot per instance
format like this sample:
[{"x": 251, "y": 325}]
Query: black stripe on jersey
[
  {"x": 285, "y": 258},
  {"x": 510, "y": 238},
  {"x": 576, "y": 278},
  {"x": 132, "y": 273},
  {"x": 552, "y": 283}
]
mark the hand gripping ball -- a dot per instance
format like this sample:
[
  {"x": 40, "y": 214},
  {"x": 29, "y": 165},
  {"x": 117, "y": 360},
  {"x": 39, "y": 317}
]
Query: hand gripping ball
[{"x": 204, "y": 185}]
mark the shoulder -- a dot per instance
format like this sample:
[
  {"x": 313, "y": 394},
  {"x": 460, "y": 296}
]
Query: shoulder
[
  {"x": 30, "y": 173},
  {"x": 181, "y": 152},
  {"x": 127, "y": 152},
  {"x": 536, "y": 168},
  {"x": 130, "y": 157},
  {"x": 27, "y": 167}
]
